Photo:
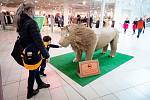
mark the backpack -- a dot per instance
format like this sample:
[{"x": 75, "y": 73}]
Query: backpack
[
  {"x": 28, "y": 57},
  {"x": 31, "y": 54},
  {"x": 32, "y": 57}
]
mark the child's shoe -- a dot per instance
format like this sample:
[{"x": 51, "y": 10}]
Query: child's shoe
[{"x": 42, "y": 74}]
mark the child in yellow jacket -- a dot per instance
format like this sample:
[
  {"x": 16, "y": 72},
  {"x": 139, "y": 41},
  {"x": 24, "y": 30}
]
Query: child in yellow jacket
[{"x": 47, "y": 43}]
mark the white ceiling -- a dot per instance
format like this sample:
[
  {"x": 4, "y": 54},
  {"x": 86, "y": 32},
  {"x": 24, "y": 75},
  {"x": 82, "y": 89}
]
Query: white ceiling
[{"x": 59, "y": 4}]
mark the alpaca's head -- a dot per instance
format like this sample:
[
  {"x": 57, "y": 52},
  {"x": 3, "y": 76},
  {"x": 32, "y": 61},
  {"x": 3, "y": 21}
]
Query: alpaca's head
[{"x": 65, "y": 39}]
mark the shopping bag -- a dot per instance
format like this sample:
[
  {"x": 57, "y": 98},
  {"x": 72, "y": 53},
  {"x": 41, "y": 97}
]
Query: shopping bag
[
  {"x": 125, "y": 26},
  {"x": 134, "y": 27},
  {"x": 88, "y": 68}
]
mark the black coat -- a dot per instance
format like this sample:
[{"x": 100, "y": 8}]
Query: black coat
[
  {"x": 126, "y": 22},
  {"x": 52, "y": 45},
  {"x": 29, "y": 33}
]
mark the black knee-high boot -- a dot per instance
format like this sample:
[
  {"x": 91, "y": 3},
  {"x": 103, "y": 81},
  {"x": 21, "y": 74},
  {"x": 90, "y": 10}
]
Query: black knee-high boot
[{"x": 30, "y": 91}]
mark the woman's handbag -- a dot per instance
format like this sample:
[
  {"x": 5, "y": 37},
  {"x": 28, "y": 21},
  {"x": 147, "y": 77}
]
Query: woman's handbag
[{"x": 18, "y": 51}]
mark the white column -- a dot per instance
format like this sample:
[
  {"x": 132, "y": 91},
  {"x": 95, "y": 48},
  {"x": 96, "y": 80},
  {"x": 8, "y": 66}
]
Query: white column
[
  {"x": 0, "y": 7},
  {"x": 141, "y": 7},
  {"x": 66, "y": 14},
  {"x": 117, "y": 13},
  {"x": 102, "y": 13}
]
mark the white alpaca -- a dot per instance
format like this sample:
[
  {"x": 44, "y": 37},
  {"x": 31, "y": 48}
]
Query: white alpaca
[{"x": 83, "y": 38}]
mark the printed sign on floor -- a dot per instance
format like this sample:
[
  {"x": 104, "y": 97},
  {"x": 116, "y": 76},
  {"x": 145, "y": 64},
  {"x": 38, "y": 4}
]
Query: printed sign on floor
[{"x": 89, "y": 68}]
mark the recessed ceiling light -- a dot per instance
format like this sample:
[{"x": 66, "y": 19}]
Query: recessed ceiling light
[{"x": 84, "y": 2}]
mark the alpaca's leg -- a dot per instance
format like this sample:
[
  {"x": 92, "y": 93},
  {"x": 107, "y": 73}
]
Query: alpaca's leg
[
  {"x": 113, "y": 44},
  {"x": 78, "y": 56},
  {"x": 89, "y": 54},
  {"x": 113, "y": 49},
  {"x": 104, "y": 49}
]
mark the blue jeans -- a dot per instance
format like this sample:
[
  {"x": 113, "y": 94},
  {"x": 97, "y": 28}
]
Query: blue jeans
[{"x": 139, "y": 32}]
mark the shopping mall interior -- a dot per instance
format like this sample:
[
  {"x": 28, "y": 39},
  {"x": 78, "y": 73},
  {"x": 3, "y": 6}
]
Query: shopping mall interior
[{"x": 123, "y": 77}]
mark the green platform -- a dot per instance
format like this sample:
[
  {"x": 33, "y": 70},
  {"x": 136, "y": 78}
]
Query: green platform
[{"x": 65, "y": 65}]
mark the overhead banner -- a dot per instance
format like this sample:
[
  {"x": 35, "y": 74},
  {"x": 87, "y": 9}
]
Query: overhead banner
[{"x": 40, "y": 21}]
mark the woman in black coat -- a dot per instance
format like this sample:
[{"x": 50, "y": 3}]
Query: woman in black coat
[{"x": 29, "y": 33}]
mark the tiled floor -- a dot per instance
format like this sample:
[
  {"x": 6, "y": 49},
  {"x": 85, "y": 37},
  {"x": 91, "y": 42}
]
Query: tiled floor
[{"x": 130, "y": 81}]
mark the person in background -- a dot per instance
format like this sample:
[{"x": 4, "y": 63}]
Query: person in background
[
  {"x": 47, "y": 43},
  {"x": 104, "y": 23},
  {"x": 126, "y": 25},
  {"x": 2, "y": 20},
  {"x": 97, "y": 23},
  {"x": 91, "y": 21},
  {"x": 46, "y": 20},
  {"x": 113, "y": 24},
  {"x": 134, "y": 26},
  {"x": 140, "y": 26},
  {"x": 49, "y": 20},
  {"x": 78, "y": 19},
  {"x": 59, "y": 21},
  {"x": 29, "y": 33},
  {"x": 62, "y": 20},
  {"x": 52, "y": 23}
]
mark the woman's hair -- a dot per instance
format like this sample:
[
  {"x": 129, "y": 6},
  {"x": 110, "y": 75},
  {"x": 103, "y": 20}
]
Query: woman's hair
[{"x": 25, "y": 7}]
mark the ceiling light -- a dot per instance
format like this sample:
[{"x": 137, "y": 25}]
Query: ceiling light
[
  {"x": 35, "y": 1},
  {"x": 84, "y": 2}
]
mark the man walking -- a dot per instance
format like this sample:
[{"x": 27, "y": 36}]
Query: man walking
[{"x": 140, "y": 26}]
